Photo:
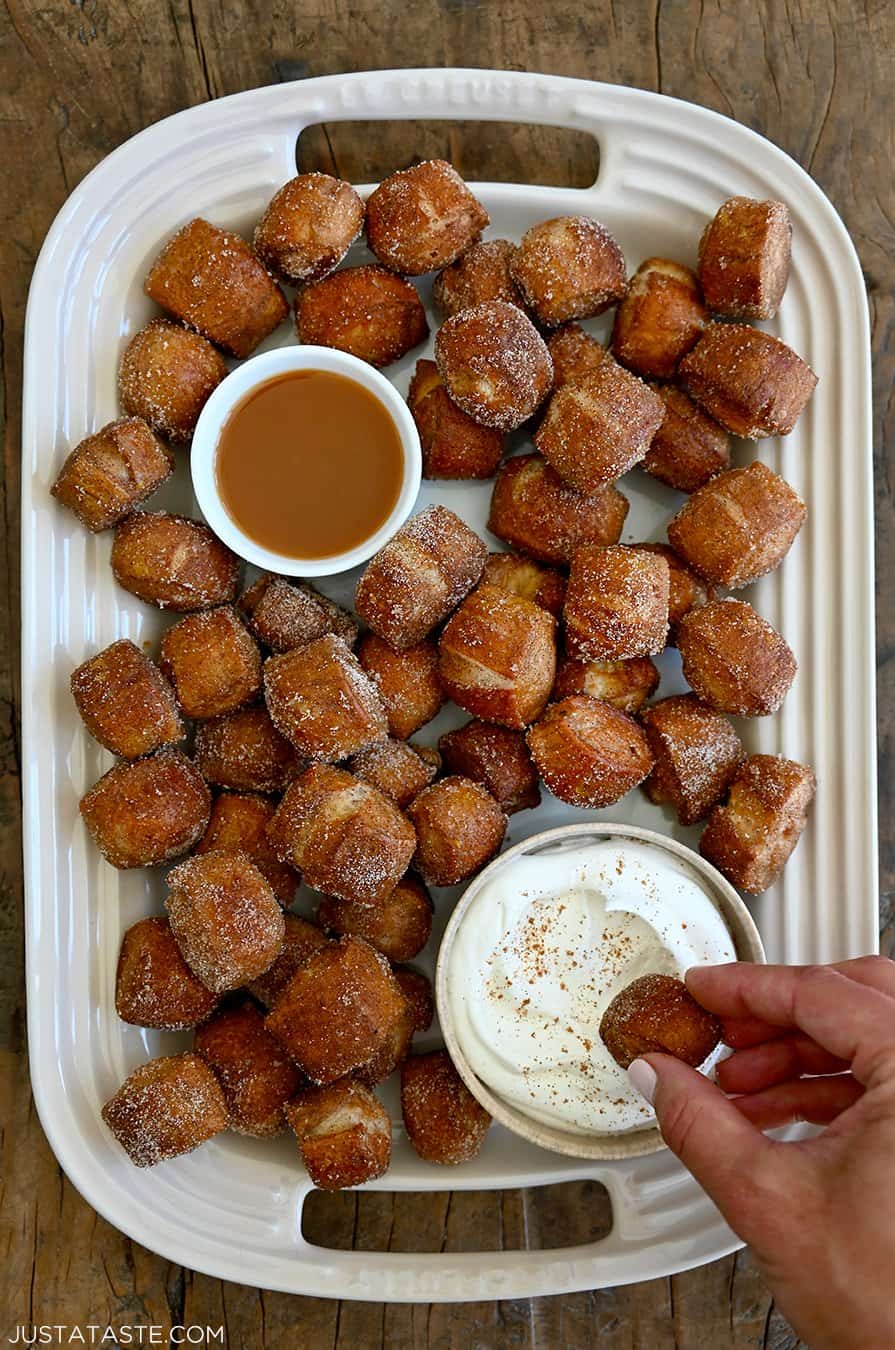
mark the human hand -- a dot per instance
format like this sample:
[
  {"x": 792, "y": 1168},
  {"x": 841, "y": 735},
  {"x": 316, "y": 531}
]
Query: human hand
[{"x": 817, "y": 1212}]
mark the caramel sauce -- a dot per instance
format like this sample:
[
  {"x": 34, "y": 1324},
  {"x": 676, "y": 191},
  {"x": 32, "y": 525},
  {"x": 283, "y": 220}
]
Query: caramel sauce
[{"x": 309, "y": 464}]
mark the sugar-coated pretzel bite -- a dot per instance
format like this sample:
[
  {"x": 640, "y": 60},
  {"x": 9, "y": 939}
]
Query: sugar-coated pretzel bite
[
  {"x": 345, "y": 836},
  {"x": 213, "y": 662},
  {"x": 453, "y": 445},
  {"x": 660, "y": 318},
  {"x": 625, "y": 684},
  {"x": 739, "y": 526},
  {"x": 173, "y": 563},
  {"x": 459, "y": 827},
  {"x": 751, "y": 838},
  {"x": 399, "y": 927},
  {"x": 744, "y": 256},
  {"x": 599, "y": 426},
  {"x": 344, "y": 1134},
  {"x": 399, "y": 770},
  {"x": 321, "y": 699},
  {"x": 285, "y": 614},
  {"x": 165, "y": 1108},
  {"x": 532, "y": 509},
  {"x": 407, "y": 682},
  {"x": 422, "y": 573},
  {"x": 417, "y": 990},
  {"x": 734, "y": 660},
  {"x": 239, "y": 820},
  {"x": 494, "y": 363},
  {"x": 154, "y": 986},
  {"x": 689, "y": 446},
  {"x": 211, "y": 280},
  {"x": 481, "y": 273},
  {"x": 366, "y": 311},
  {"x": 226, "y": 919},
  {"x": 107, "y": 475},
  {"x": 616, "y": 604},
  {"x": 496, "y": 757},
  {"x": 423, "y": 217},
  {"x": 393, "y": 1052},
  {"x": 444, "y": 1122},
  {"x": 519, "y": 575},
  {"x": 303, "y": 938},
  {"x": 588, "y": 752},
  {"x": 125, "y": 701},
  {"x": 696, "y": 752},
  {"x": 686, "y": 590},
  {"x": 497, "y": 657},
  {"x": 750, "y": 382},
  {"x": 575, "y": 354},
  {"x": 256, "y": 1077},
  {"x": 569, "y": 267},
  {"x": 245, "y": 752},
  {"x": 657, "y": 1013},
  {"x": 308, "y": 227},
  {"x": 147, "y": 811},
  {"x": 338, "y": 1010},
  {"x": 166, "y": 376}
]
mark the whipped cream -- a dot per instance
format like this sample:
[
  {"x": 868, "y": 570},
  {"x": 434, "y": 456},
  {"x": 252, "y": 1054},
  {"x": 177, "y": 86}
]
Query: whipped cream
[{"x": 542, "y": 950}]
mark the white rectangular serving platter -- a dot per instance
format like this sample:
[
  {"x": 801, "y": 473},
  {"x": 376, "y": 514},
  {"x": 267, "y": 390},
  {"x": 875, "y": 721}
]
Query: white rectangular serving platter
[{"x": 233, "y": 1208}]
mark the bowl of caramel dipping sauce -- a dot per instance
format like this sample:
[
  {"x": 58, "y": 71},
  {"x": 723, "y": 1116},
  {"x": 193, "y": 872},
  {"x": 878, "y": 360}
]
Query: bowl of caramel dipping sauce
[{"x": 305, "y": 460}]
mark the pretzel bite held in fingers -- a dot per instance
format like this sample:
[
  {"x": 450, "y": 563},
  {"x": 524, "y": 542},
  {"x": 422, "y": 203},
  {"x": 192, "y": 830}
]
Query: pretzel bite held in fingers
[
  {"x": 338, "y": 1009},
  {"x": 239, "y": 820},
  {"x": 407, "y": 682},
  {"x": 225, "y": 917},
  {"x": 256, "y": 1076},
  {"x": 575, "y": 354},
  {"x": 569, "y": 267},
  {"x": 302, "y": 939},
  {"x": 497, "y": 657},
  {"x": 400, "y": 771},
  {"x": 521, "y": 576},
  {"x": 344, "y": 836},
  {"x": 689, "y": 447},
  {"x": 344, "y": 1134},
  {"x": 366, "y": 311},
  {"x": 444, "y": 1122},
  {"x": 154, "y": 986},
  {"x": 660, "y": 318},
  {"x": 625, "y": 684},
  {"x": 657, "y": 1013},
  {"x": 212, "y": 661},
  {"x": 167, "y": 375},
  {"x": 211, "y": 280},
  {"x": 107, "y": 475},
  {"x": 696, "y": 752},
  {"x": 494, "y": 363},
  {"x": 481, "y": 273},
  {"x": 166, "y": 1108},
  {"x": 417, "y": 990},
  {"x": 147, "y": 811},
  {"x": 459, "y": 827},
  {"x": 532, "y": 509},
  {"x": 751, "y": 838},
  {"x": 744, "y": 256},
  {"x": 686, "y": 590},
  {"x": 125, "y": 701},
  {"x": 423, "y": 217},
  {"x": 308, "y": 227},
  {"x": 616, "y": 604},
  {"x": 399, "y": 927},
  {"x": 173, "y": 563},
  {"x": 321, "y": 700},
  {"x": 734, "y": 660},
  {"x": 599, "y": 426},
  {"x": 739, "y": 526},
  {"x": 750, "y": 382},
  {"x": 588, "y": 752},
  {"x": 423, "y": 572},
  {"x": 286, "y": 614},
  {"x": 244, "y": 751},
  {"x": 496, "y": 757},
  {"x": 453, "y": 445}
]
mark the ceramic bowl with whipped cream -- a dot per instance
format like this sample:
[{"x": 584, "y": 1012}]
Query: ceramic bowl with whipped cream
[{"x": 538, "y": 946}]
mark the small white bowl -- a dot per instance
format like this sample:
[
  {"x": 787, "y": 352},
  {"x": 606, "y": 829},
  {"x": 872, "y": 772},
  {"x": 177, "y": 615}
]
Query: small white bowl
[
  {"x": 241, "y": 382},
  {"x": 746, "y": 940}
]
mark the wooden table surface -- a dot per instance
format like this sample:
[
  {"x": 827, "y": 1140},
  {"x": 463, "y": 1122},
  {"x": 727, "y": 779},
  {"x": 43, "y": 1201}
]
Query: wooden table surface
[{"x": 78, "y": 77}]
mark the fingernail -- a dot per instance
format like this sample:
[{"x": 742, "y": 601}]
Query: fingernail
[{"x": 643, "y": 1078}]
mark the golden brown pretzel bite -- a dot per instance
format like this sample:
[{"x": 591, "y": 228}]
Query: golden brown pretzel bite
[
  {"x": 320, "y": 698},
  {"x": 285, "y": 614},
  {"x": 167, "y": 375},
  {"x": 734, "y": 660},
  {"x": 399, "y": 927},
  {"x": 459, "y": 828},
  {"x": 453, "y": 445},
  {"x": 660, "y": 318},
  {"x": 212, "y": 661},
  {"x": 308, "y": 227},
  {"x": 686, "y": 590},
  {"x": 417, "y": 990},
  {"x": 344, "y": 1134},
  {"x": 407, "y": 682},
  {"x": 481, "y": 273},
  {"x": 154, "y": 986},
  {"x": 110, "y": 473},
  {"x": 744, "y": 257},
  {"x": 589, "y": 753},
  {"x": 256, "y": 1077},
  {"x": 147, "y": 811},
  {"x": 569, "y": 267},
  {"x": 616, "y": 604},
  {"x": 126, "y": 702},
  {"x": 575, "y": 354},
  {"x": 399, "y": 770},
  {"x": 423, "y": 217},
  {"x": 689, "y": 447},
  {"x": 211, "y": 280},
  {"x": 750, "y": 382},
  {"x": 366, "y": 311},
  {"x": 752, "y": 837},
  {"x": 166, "y": 1107},
  {"x": 625, "y": 684},
  {"x": 239, "y": 820},
  {"x": 244, "y": 751},
  {"x": 392, "y": 1053},
  {"x": 494, "y": 363},
  {"x": 497, "y": 758},
  {"x": 696, "y": 752},
  {"x": 517, "y": 574},
  {"x": 532, "y": 509},
  {"x": 658, "y": 1013},
  {"x": 444, "y": 1122},
  {"x": 173, "y": 563},
  {"x": 303, "y": 938}
]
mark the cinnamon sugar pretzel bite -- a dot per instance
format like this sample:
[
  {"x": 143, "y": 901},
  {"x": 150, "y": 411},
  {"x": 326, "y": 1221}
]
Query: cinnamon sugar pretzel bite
[
  {"x": 660, "y": 318},
  {"x": 734, "y": 660},
  {"x": 453, "y": 445},
  {"x": 417, "y": 990},
  {"x": 399, "y": 927},
  {"x": 744, "y": 256},
  {"x": 686, "y": 590},
  {"x": 521, "y": 576},
  {"x": 444, "y": 1122},
  {"x": 239, "y": 820},
  {"x": 154, "y": 986},
  {"x": 344, "y": 1134},
  {"x": 422, "y": 218},
  {"x": 400, "y": 771},
  {"x": 750, "y": 382},
  {"x": 107, "y": 475},
  {"x": 569, "y": 267},
  {"x": 751, "y": 838},
  {"x": 165, "y": 1108},
  {"x": 532, "y": 509},
  {"x": 658, "y": 1013},
  {"x": 616, "y": 604},
  {"x": 481, "y": 273},
  {"x": 244, "y": 751},
  {"x": 167, "y": 375},
  {"x": 689, "y": 447},
  {"x": 392, "y": 1053},
  {"x": 212, "y": 661},
  {"x": 125, "y": 701},
  {"x": 308, "y": 227},
  {"x": 407, "y": 682},
  {"x": 173, "y": 563},
  {"x": 286, "y": 614},
  {"x": 459, "y": 827},
  {"x": 496, "y": 757},
  {"x": 321, "y": 700},
  {"x": 588, "y": 752},
  {"x": 625, "y": 684},
  {"x": 147, "y": 811},
  {"x": 575, "y": 354},
  {"x": 494, "y": 363},
  {"x": 302, "y": 939},
  {"x": 696, "y": 752},
  {"x": 366, "y": 311},
  {"x": 256, "y": 1077}
]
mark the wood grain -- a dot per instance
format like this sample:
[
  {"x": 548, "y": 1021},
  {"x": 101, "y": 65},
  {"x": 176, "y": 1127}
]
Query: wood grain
[{"x": 76, "y": 79}]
